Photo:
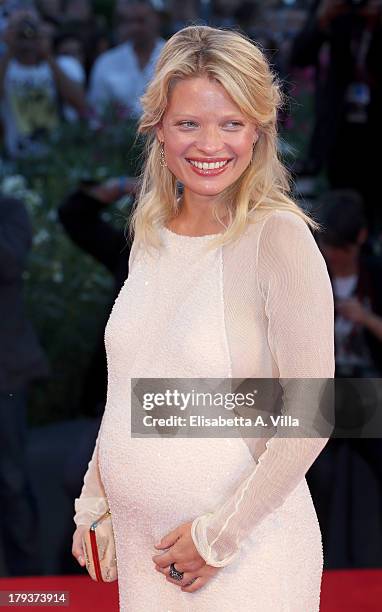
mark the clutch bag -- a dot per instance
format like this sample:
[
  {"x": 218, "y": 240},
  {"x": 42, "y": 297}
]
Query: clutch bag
[{"x": 99, "y": 549}]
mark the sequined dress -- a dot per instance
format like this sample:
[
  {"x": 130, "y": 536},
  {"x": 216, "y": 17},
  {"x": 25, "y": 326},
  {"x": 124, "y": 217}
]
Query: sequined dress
[{"x": 259, "y": 307}]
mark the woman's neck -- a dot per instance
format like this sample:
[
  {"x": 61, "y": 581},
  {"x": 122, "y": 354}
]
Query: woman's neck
[{"x": 196, "y": 218}]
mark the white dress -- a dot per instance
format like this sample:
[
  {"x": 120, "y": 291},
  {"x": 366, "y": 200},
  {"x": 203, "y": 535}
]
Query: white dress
[{"x": 260, "y": 307}]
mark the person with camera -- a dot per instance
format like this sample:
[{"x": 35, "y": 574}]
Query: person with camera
[
  {"x": 343, "y": 40},
  {"x": 120, "y": 75},
  {"x": 355, "y": 275},
  {"x": 32, "y": 86}
]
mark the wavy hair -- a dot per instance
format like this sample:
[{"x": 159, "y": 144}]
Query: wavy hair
[{"x": 241, "y": 68}]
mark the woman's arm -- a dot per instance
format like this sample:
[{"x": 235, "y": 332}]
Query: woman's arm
[
  {"x": 298, "y": 302},
  {"x": 92, "y": 501}
]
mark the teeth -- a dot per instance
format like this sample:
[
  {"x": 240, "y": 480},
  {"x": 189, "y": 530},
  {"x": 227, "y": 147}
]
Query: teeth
[{"x": 208, "y": 166}]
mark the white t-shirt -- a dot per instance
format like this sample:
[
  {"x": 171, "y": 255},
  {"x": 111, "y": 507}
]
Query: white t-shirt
[
  {"x": 30, "y": 105},
  {"x": 74, "y": 70},
  {"x": 117, "y": 79},
  {"x": 351, "y": 346}
]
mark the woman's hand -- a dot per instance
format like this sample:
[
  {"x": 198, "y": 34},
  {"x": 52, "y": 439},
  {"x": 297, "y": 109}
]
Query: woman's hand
[
  {"x": 77, "y": 548},
  {"x": 183, "y": 553},
  {"x": 191, "y": 581}
]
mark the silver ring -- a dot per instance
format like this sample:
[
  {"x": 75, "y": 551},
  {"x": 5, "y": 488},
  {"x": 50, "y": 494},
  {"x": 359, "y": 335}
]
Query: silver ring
[{"x": 174, "y": 573}]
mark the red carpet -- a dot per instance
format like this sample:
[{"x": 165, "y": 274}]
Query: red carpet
[{"x": 342, "y": 591}]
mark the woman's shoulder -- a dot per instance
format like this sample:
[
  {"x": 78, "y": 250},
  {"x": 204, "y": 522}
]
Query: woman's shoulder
[
  {"x": 277, "y": 215},
  {"x": 287, "y": 244},
  {"x": 284, "y": 239},
  {"x": 280, "y": 225}
]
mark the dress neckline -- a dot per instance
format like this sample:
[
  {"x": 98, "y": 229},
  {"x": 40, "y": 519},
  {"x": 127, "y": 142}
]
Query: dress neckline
[{"x": 185, "y": 237}]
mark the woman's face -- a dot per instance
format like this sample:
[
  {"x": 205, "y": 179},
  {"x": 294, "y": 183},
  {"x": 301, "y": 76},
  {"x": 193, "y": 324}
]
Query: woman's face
[{"x": 208, "y": 142}]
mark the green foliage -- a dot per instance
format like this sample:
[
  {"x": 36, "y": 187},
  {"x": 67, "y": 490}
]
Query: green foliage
[{"x": 66, "y": 291}]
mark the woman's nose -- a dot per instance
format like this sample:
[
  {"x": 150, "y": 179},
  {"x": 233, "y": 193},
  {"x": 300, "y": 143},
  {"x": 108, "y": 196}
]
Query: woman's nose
[{"x": 210, "y": 141}]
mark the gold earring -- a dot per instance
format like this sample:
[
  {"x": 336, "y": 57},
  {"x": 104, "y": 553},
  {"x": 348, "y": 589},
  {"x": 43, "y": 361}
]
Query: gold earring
[{"x": 162, "y": 156}]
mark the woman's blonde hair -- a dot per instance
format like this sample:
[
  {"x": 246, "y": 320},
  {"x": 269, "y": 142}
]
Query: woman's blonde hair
[{"x": 242, "y": 69}]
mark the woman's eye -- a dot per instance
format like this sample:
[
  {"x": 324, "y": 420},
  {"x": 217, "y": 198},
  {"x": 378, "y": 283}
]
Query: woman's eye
[
  {"x": 185, "y": 123},
  {"x": 193, "y": 123}
]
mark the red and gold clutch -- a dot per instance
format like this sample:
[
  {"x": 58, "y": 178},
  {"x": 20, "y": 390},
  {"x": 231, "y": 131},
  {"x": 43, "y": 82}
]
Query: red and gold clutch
[{"x": 99, "y": 549}]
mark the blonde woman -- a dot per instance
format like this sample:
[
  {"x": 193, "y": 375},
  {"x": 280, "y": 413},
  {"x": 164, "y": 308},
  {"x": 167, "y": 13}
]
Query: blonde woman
[{"x": 226, "y": 281}]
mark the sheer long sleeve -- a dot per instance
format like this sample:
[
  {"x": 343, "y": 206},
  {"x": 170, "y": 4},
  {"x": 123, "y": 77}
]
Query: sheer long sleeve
[
  {"x": 92, "y": 501},
  {"x": 294, "y": 284}
]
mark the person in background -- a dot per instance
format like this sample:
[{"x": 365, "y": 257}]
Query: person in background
[
  {"x": 68, "y": 44},
  {"x": 60, "y": 12},
  {"x": 119, "y": 76},
  {"x": 82, "y": 33},
  {"x": 7, "y": 7},
  {"x": 343, "y": 41},
  {"x": 50, "y": 10},
  {"x": 356, "y": 280},
  {"x": 70, "y": 55},
  {"x": 21, "y": 361},
  {"x": 32, "y": 86}
]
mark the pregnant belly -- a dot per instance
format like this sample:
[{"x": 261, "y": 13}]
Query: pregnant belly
[{"x": 169, "y": 481}]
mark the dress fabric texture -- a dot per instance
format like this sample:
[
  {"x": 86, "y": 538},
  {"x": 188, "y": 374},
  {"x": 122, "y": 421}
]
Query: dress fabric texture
[{"x": 260, "y": 307}]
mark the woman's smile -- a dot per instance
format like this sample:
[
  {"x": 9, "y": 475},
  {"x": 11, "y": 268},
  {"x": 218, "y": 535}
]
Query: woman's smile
[{"x": 204, "y": 167}]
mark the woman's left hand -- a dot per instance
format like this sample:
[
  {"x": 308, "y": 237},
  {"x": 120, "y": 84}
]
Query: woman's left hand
[{"x": 183, "y": 553}]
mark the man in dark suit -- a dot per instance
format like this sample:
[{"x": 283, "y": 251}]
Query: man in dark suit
[{"x": 21, "y": 360}]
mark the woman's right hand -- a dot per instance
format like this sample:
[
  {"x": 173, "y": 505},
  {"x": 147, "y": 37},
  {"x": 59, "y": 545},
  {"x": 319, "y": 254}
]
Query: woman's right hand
[{"x": 77, "y": 548}]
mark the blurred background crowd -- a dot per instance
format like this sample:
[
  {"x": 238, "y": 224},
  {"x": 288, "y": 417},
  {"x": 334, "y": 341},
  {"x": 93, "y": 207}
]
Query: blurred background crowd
[{"x": 71, "y": 76}]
